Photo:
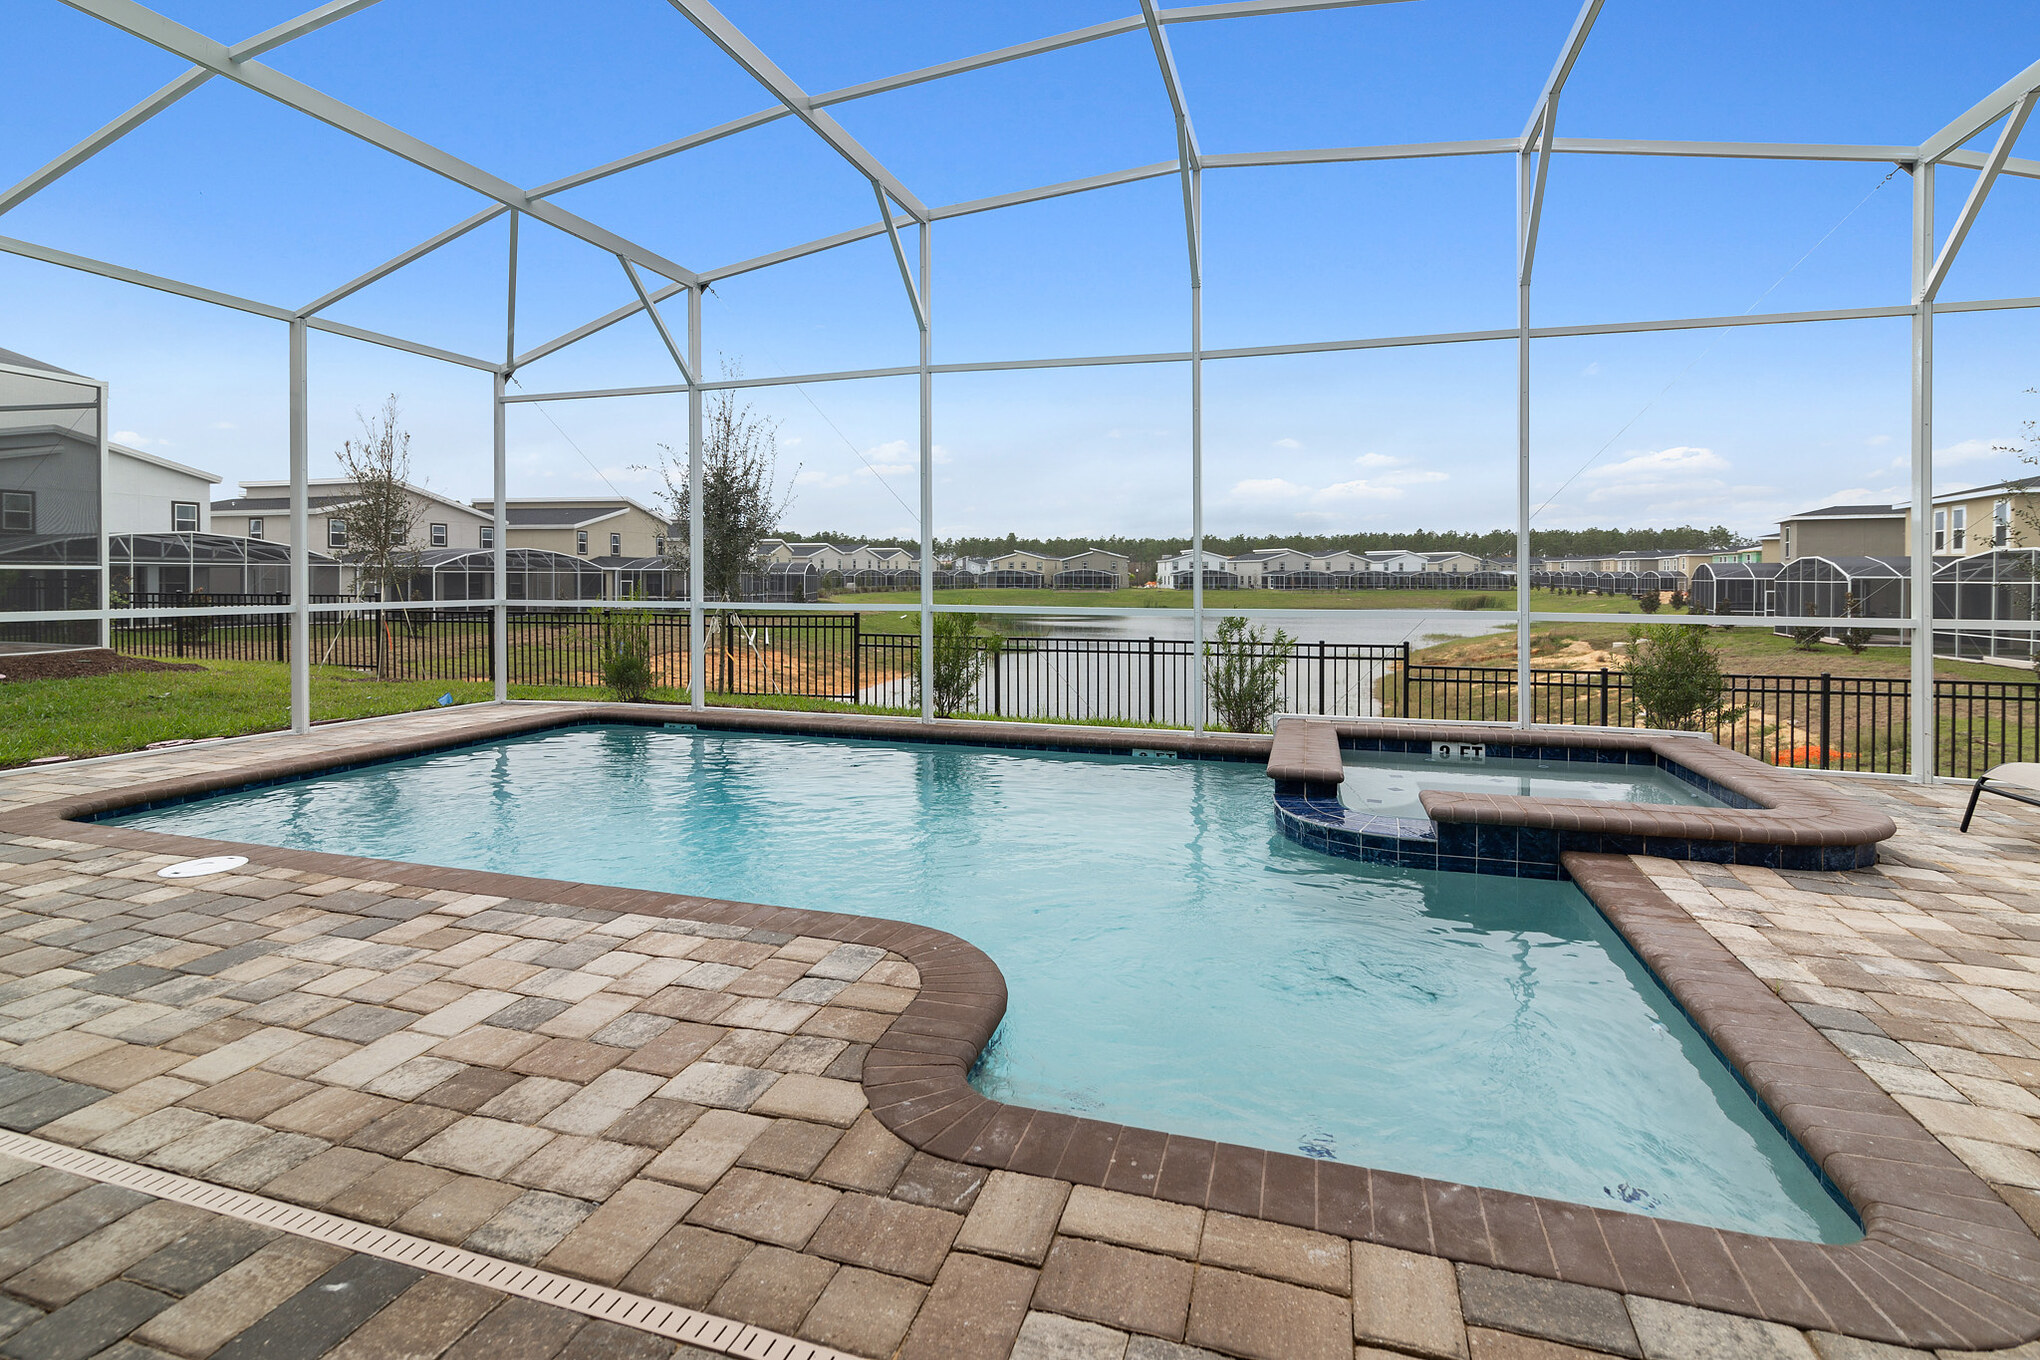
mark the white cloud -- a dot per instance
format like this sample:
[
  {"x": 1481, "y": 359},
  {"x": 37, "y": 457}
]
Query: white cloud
[
  {"x": 224, "y": 425},
  {"x": 1414, "y": 477},
  {"x": 1683, "y": 475},
  {"x": 1874, "y": 440},
  {"x": 1663, "y": 462},
  {"x": 817, "y": 478},
  {"x": 1969, "y": 451},
  {"x": 1358, "y": 490},
  {"x": 792, "y": 440},
  {"x": 1267, "y": 489},
  {"x": 1284, "y": 443},
  {"x": 138, "y": 441},
  {"x": 886, "y": 469},
  {"x": 1375, "y": 460},
  {"x": 1592, "y": 370}
]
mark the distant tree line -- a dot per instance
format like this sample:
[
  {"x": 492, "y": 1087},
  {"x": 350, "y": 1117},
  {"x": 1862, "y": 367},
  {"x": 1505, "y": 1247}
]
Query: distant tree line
[{"x": 1493, "y": 543}]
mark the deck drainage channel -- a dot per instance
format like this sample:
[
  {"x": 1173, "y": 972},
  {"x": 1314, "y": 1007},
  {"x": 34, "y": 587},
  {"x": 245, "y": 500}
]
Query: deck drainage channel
[{"x": 710, "y": 1333}]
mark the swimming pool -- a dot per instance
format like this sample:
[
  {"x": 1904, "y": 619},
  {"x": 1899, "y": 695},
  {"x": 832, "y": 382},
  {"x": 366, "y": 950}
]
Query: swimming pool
[
  {"x": 1389, "y": 784},
  {"x": 1173, "y": 962}
]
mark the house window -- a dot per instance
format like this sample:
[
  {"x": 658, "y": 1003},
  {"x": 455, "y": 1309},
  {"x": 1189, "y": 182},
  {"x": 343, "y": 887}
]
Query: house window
[
  {"x": 1940, "y": 531},
  {"x": 17, "y": 512},
  {"x": 439, "y": 535},
  {"x": 1958, "y": 528},
  {"x": 336, "y": 533},
  {"x": 2001, "y": 524},
  {"x": 581, "y": 542},
  {"x": 488, "y": 535},
  {"x": 184, "y": 517},
  {"x": 616, "y": 545},
  {"x": 254, "y": 526},
  {"x": 659, "y": 545}
]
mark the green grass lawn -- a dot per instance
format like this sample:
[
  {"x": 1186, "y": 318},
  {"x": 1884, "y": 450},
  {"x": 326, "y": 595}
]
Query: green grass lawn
[{"x": 1221, "y": 601}]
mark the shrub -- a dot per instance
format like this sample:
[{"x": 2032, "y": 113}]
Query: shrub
[
  {"x": 1806, "y": 639},
  {"x": 1675, "y": 675},
  {"x": 1243, "y": 669},
  {"x": 1855, "y": 639},
  {"x": 1649, "y": 601},
  {"x": 1476, "y": 602},
  {"x": 959, "y": 659},
  {"x": 626, "y": 653},
  {"x": 1679, "y": 599}
]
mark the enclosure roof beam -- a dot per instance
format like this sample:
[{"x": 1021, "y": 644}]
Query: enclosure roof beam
[
  {"x": 2015, "y": 123},
  {"x": 1993, "y": 107},
  {"x": 151, "y": 27},
  {"x": 892, "y": 234},
  {"x": 1975, "y": 160},
  {"x": 1188, "y": 158},
  {"x": 309, "y": 22},
  {"x": 740, "y": 49},
  {"x": 1533, "y": 219},
  {"x": 396, "y": 262},
  {"x": 1561, "y": 70},
  {"x": 84, "y": 264},
  {"x": 638, "y": 286}
]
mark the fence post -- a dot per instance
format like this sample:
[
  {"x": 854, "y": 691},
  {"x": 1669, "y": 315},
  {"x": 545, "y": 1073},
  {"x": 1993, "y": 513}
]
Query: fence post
[
  {"x": 282, "y": 634},
  {"x": 490, "y": 620},
  {"x": 1151, "y": 680},
  {"x": 1321, "y": 677},
  {"x": 856, "y": 656},
  {"x": 998, "y": 701},
  {"x": 1826, "y": 688},
  {"x": 1402, "y": 709},
  {"x": 1604, "y": 696}
]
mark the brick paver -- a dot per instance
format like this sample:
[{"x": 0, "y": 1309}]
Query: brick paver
[{"x": 672, "y": 1105}]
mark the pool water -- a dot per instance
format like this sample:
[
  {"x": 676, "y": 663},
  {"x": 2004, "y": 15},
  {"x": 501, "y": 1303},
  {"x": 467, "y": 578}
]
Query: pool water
[
  {"x": 1173, "y": 962},
  {"x": 1389, "y": 784}
]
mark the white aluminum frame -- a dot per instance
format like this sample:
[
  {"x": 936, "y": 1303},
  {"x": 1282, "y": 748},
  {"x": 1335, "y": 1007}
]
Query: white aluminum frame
[{"x": 2010, "y": 105}]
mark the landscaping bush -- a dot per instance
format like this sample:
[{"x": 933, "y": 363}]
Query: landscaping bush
[
  {"x": 626, "y": 653},
  {"x": 1806, "y": 639},
  {"x": 1675, "y": 674},
  {"x": 1855, "y": 639},
  {"x": 960, "y": 658},
  {"x": 1243, "y": 669},
  {"x": 1649, "y": 601}
]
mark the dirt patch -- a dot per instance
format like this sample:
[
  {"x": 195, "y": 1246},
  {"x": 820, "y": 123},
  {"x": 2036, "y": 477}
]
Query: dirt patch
[{"x": 79, "y": 662}]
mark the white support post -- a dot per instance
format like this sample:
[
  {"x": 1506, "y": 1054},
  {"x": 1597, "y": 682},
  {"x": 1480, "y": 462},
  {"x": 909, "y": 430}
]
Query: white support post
[
  {"x": 105, "y": 536},
  {"x": 1925, "y": 740},
  {"x": 1197, "y": 698},
  {"x": 499, "y": 641},
  {"x": 300, "y": 531},
  {"x": 1526, "y": 188},
  {"x": 923, "y": 313},
  {"x": 697, "y": 575},
  {"x": 499, "y": 557}
]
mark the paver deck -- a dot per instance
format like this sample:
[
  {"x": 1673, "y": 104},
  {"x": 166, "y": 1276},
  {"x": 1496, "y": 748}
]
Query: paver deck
[{"x": 669, "y": 1096}]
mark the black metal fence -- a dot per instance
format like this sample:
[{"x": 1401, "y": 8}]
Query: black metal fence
[
  {"x": 1813, "y": 721},
  {"x": 1838, "y": 722}
]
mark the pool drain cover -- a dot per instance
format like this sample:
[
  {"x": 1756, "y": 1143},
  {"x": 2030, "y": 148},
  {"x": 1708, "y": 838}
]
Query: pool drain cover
[{"x": 199, "y": 868}]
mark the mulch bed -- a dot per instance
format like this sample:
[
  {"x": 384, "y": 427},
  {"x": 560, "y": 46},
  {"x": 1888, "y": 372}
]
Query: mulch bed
[{"x": 77, "y": 662}]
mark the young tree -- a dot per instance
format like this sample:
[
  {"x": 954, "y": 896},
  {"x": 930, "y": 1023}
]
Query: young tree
[
  {"x": 626, "y": 650},
  {"x": 1243, "y": 672},
  {"x": 1855, "y": 639},
  {"x": 380, "y": 517},
  {"x": 960, "y": 658},
  {"x": 1675, "y": 675},
  {"x": 741, "y": 501}
]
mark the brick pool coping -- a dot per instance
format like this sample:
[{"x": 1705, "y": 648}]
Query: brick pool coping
[
  {"x": 1944, "y": 1263},
  {"x": 1774, "y": 819}
]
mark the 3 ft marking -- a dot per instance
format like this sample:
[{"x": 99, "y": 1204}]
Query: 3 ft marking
[
  {"x": 1143, "y": 753},
  {"x": 1458, "y": 750}
]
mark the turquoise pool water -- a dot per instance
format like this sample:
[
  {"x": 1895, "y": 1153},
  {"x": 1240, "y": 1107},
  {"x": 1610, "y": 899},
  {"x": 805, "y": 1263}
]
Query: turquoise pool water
[
  {"x": 1389, "y": 784},
  {"x": 1173, "y": 961}
]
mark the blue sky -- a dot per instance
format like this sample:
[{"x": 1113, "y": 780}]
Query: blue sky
[{"x": 230, "y": 190}]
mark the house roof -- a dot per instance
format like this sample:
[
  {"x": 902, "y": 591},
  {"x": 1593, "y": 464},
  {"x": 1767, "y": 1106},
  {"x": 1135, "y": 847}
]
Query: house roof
[
  {"x": 1852, "y": 512},
  {"x": 566, "y": 512},
  {"x": 259, "y": 504},
  {"x": 552, "y": 517},
  {"x": 162, "y": 462},
  {"x": 264, "y": 489},
  {"x": 2011, "y": 487}
]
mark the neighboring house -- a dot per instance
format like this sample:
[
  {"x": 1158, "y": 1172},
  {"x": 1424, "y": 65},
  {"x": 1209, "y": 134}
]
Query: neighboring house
[
  {"x": 1770, "y": 548},
  {"x": 1395, "y": 560},
  {"x": 1983, "y": 519},
  {"x": 1843, "y": 531},
  {"x": 590, "y": 526},
  {"x": 263, "y": 511},
  {"x": 1450, "y": 561},
  {"x": 1256, "y": 565},
  {"x": 1753, "y": 554},
  {"x": 149, "y": 494},
  {"x": 1093, "y": 569}
]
